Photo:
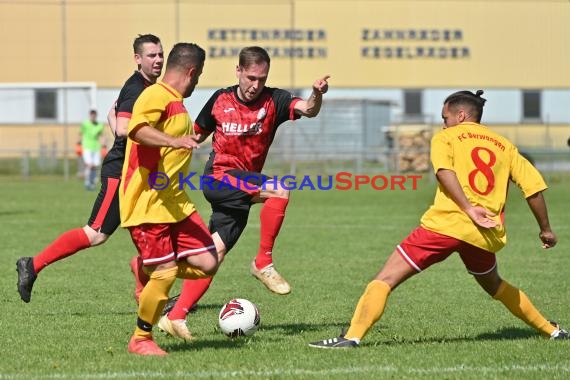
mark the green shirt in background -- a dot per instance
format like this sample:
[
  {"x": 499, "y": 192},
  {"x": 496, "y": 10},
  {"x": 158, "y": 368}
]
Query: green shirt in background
[{"x": 90, "y": 134}]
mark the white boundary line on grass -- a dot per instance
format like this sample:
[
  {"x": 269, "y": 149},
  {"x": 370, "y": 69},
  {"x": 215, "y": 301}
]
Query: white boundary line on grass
[
  {"x": 336, "y": 225},
  {"x": 294, "y": 372}
]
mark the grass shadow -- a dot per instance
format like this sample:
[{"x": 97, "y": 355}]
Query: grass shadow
[
  {"x": 509, "y": 333},
  {"x": 296, "y": 328},
  {"x": 15, "y": 212},
  {"x": 197, "y": 345}
]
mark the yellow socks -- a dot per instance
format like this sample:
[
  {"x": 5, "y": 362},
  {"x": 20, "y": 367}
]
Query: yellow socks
[
  {"x": 152, "y": 300},
  {"x": 371, "y": 305},
  {"x": 518, "y": 303},
  {"x": 369, "y": 309},
  {"x": 155, "y": 294},
  {"x": 189, "y": 272}
]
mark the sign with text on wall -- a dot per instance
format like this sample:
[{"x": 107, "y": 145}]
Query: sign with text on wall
[
  {"x": 374, "y": 43},
  {"x": 295, "y": 49},
  {"x": 412, "y": 44}
]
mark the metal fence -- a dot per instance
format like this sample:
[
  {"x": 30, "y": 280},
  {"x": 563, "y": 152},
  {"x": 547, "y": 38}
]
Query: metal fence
[{"x": 355, "y": 135}]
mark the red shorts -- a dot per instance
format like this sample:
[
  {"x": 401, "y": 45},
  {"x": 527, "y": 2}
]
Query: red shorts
[
  {"x": 423, "y": 248},
  {"x": 161, "y": 243}
]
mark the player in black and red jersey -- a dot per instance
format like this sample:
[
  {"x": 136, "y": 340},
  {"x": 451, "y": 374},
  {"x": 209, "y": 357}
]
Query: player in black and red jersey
[
  {"x": 243, "y": 120},
  {"x": 105, "y": 217}
]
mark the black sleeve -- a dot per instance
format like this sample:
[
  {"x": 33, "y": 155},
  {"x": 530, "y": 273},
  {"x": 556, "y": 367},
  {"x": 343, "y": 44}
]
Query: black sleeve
[
  {"x": 127, "y": 99},
  {"x": 283, "y": 100},
  {"x": 205, "y": 119}
]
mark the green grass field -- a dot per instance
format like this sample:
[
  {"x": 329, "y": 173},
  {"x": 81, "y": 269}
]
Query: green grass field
[{"x": 439, "y": 325}]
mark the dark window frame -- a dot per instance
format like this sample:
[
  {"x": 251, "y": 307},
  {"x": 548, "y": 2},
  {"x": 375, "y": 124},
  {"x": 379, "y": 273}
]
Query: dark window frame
[
  {"x": 531, "y": 105},
  {"x": 413, "y": 106},
  {"x": 413, "y": 102},
  {"x": 45, "y": 104}
]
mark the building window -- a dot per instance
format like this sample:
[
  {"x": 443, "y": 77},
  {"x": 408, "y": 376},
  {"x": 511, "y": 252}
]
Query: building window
[
  {"x": 531, "y": 105},
  {"x": 46, "y": 104},
  {"x": 412, "y": 105}
]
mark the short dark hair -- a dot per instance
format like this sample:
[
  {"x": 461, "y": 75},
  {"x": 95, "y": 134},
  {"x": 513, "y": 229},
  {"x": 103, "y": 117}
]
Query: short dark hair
[
  {"x": 253, "y": 55},
  {"x": 473, "y": 101},
  {"x": 185, "y": 54},
  {"x": 142, "y": 39}
]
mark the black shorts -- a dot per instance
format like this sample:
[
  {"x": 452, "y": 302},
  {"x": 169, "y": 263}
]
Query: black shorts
[
  {"x": 105, "y": 216},
  {"x": 230, "y": 206}
]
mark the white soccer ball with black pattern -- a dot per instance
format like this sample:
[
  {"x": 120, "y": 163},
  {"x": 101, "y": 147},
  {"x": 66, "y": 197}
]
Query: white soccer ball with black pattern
[{"x": 239, "y": 317}]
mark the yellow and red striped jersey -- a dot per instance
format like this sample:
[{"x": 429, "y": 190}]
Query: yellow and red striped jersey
[
  {"x": 484, "y": 162},
  {"x": 142, "y": 201}
]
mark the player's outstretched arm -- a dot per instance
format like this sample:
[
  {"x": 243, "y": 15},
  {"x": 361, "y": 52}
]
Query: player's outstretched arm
[
  {"x": 312, "y": 106},
  {"x": 537, "y": 205},
  {"x": 146, "y": 135},
  {"x": 478, "y": 214}
]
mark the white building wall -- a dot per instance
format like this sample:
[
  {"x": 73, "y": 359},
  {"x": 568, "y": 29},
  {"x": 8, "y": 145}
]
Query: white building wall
[
  {"x": 504, "y": 106},
  {"x": 556, "y": 106}
]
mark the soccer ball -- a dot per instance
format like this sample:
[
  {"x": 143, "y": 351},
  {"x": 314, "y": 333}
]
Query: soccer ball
[{"x": 239, "y": 317}]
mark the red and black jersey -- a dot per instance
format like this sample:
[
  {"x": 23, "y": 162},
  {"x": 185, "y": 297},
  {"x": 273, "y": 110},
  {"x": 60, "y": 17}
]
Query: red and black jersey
[
  {"x": 113, "y": 162},
  {"x": 243, "y": 132}
]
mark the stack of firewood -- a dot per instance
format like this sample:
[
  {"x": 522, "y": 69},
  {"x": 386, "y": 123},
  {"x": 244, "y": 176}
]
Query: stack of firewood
[{"x": 413, "y": 151}]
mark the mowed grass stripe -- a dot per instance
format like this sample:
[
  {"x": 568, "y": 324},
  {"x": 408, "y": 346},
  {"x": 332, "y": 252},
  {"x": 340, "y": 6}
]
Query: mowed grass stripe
[{"x": 284, "y": 372}]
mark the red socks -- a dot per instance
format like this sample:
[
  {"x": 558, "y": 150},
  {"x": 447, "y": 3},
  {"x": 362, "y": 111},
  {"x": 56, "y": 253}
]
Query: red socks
[
  {"x": 271, "y": 215},
  {"x": 65, "y": 245},
  {"x": 192, "y": 291}
]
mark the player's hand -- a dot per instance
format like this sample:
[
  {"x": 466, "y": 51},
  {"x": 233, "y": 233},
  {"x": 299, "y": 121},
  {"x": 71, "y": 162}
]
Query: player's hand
[
  {"x": 186, "y": 142},
  {"x": 548, "y": 239},
  {"x": 197, "y": 139},
  {"x": 482, "y": 217},
  {"x": 321, "y": 86}
]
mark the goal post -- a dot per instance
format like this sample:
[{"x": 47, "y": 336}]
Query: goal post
[{"x": 41, "y": 107}]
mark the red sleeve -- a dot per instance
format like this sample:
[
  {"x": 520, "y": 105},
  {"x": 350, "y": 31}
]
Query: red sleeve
[
  {"x": 292, "y": 115},
  {"x": 124, "y": 114},
  {"x": 200, "y": 131}
]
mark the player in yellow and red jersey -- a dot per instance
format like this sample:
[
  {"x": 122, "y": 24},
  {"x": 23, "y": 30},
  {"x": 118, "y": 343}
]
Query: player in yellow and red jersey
[
  {"x": 171, "y": 238},
  {"x": 473, "y": 166}
]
